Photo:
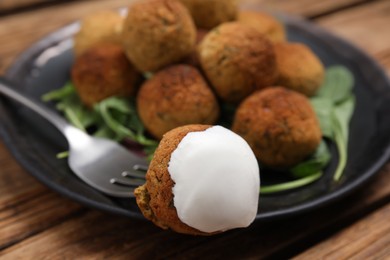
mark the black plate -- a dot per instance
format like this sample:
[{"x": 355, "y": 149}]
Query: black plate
[{"x": 46, "y": 66}]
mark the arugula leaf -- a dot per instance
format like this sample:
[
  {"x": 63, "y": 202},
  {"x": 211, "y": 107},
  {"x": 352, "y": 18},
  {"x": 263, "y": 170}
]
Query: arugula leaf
[
  {"x": 70, "y": 104},
  {"x": 59, "y": 94},
  {"x": 113, "y": 118},
  {"x": 120, "y": 115}
]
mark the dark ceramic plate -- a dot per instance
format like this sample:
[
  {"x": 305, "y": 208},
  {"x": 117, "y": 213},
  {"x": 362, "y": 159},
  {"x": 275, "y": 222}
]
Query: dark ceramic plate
[{"x": 45, "y": 66}]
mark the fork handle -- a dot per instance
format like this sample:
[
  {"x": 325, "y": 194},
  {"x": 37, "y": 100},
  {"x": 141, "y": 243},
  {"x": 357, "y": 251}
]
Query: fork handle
[{"x": 8, "y": 89}]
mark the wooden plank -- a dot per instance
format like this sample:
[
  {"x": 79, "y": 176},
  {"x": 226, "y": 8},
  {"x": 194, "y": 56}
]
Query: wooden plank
[
  {"x": 307, "y": 8},
  {"x": 26, "y": 206},
  {"x": 367, "y": 26},
  {"x": 355, "y": 242},
  {"x": 12, "y": 4},
  {"x": 119, "y": 238},
  {"x": 31, "y": 216}
]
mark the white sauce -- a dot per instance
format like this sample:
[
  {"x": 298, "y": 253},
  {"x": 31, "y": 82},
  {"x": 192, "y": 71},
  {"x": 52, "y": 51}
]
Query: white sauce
[{"x": 217, "y": 180}]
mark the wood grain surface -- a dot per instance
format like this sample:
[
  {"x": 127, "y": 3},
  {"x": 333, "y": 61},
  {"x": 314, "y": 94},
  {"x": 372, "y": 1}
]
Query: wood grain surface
[
  {"x": 369, "y": 238},
  {"x": 36, "y": 223}
]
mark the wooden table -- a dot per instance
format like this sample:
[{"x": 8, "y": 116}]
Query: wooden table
[{"x": 37, "y": 223}]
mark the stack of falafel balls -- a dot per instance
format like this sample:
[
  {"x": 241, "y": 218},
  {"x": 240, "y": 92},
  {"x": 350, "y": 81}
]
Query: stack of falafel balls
[{"x": 200, "y": 54}]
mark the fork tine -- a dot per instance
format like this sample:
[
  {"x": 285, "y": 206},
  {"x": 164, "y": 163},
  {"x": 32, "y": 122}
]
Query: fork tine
[
  {"x": 133, "y": 175},
  {"x": 127, "y": 183},
  {"x": 140, "y": 167}
]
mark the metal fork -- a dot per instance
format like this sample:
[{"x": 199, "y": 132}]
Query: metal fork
[{"x": 103, "y": 164}]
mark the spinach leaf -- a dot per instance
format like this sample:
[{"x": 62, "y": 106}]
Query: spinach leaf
[
  {"x": 334, "y": 105},
  {"x": 290, "y": 185},
  {"x": 314, "y": 164},
  {"x": 323, "y": 107},
  {"x": 341, "y": 117},
  {"x": 338, "y": 84}
]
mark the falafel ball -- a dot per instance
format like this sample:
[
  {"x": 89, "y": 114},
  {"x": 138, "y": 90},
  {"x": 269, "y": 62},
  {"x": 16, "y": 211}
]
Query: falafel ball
[
  {"x": 173, "y": 97},
  {"x": 188, "y": 183},
  {"x": 279, "y": 125},
  {"x": 237, "y": 61},
  {"x": 210, "y": 13},
  {"x": 299, "y": 68},
  {"x": 103, "y": 71},
  {"x": 263, "y": 23},
  {"x": 155, "y": 198},
  {"x": 98, "y": 27},
  {"x": 158, "y": 33}
]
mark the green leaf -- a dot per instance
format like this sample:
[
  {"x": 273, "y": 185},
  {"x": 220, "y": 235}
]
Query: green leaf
[
  {"x": 338, "y": 84},
  {"x": 60, "y": 93},
  {"x": 334, "y": 106},
  {"x": 341, "y": 118},
  {"x": 69, "y": 103},
  {"x": 290, "y": 185},
  {"x": 113, "y": 118},
  {"x": 120, "y": 116},
  {"x": 148, "y": 75},
  {"x": 314, "y": 164},
  {"x": 323, "y": 107},
  {"x": 63, "y": 155}
]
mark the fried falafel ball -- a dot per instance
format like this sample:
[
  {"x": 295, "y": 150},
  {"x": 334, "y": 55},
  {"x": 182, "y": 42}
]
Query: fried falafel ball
[
  {"x": 103, "y": 71},
  {"x": 173, "y": 97},
  {"x": 210, "y": 13},
  {"x": 99, "y": 27},
  {"x": 237, "y": 61},
  {"x": 263, "y": 23},
  {"x": 299, "y": 68},
  {"x": 188, "y": 183},
  {"x": 155, "y": 198},
  {"x": 279, "y": 125},
  {"x": 158, "y": 33}
]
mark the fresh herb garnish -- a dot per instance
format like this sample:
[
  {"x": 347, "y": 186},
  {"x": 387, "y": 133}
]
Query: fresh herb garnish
[
  {"x": 314, "y": 164},
  {"x": 290, "y": 185},
  {"x": 334, "y": 105},
  {"x": 114, "y": 118}
]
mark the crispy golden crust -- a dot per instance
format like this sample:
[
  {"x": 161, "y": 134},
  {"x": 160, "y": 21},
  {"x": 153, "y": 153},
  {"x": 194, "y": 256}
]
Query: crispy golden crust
[
  {"x": 279, "y": 125},
  {"x": 99, "y": 27},
  {"x": 173, "y": 97},
  {"x": 299, "y": 68},
  {"x": 103, "y": 71},
  {"x": 237, "y": 61},
  {"x": 263, "y": 23},
  {"x": 155, "y": 198},
  {"x": 210, "y": 13},
  {"x": 158, "y": 33}
]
